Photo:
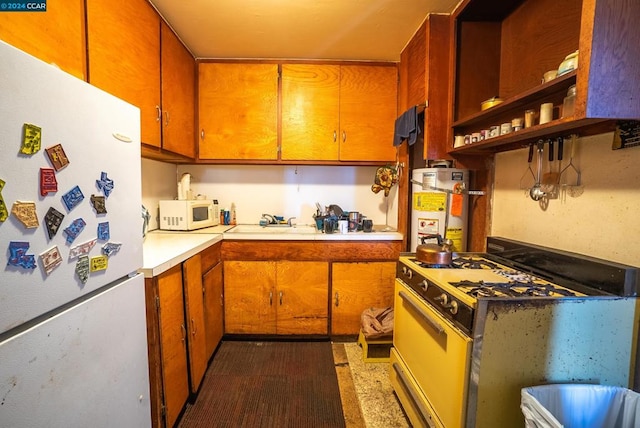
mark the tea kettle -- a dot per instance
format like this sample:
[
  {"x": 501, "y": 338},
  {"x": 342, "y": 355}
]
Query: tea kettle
[{"x": 435, "y": 254}]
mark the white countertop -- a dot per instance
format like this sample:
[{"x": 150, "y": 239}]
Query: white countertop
[{"x": 163, "y": 249}]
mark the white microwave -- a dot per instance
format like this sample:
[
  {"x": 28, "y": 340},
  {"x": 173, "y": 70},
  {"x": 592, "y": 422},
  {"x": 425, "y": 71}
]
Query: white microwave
[{"x": 188, "y": 214}]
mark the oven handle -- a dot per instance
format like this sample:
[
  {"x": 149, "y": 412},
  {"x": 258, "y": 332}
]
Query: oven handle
[
  {"x": 418, "y": 404},
  {"x": 433, "y": 323}
]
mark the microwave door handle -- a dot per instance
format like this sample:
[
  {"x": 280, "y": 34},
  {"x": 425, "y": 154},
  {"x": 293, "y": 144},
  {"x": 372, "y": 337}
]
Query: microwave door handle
[{"x": 428, "y": 318}]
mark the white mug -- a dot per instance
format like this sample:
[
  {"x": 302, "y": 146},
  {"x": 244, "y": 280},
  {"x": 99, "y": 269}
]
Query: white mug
[{"x": 343, "y": 226}]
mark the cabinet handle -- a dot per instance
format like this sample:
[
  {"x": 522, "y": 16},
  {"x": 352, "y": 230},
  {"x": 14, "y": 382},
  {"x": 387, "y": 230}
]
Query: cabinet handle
[
  {"x": 221, "y": 299},
  {"x": 193, "y": 327},
  {"x": 159, "y": 114},
  {"x": 344, "y": 136},
  {"x": 337, "y": 299},
  {"x": 202, "y": 134},
  {"x": 166, "y": 118},
  {"x": 280, "y": 298},
  {"x": 335, "y": 136},
  {"x": 270, "y": 298},
  {"x": 184, "y": 332}
]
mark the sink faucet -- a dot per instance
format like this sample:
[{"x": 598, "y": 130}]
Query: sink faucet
[
  {"x": 270, "y": 218},
  {"x": 289, "y": 221}
]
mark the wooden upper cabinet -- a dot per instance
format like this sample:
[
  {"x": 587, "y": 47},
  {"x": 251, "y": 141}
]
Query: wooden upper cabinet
[
  {"x": 55, "y": 36},
  {"x": 368, "y": 110},
  {"x": 424, "y": 65},
  {"x": 238, "y": 111},
  {"x": 338, "y": 112},
  {"x": 310, "y": 112},
  {"x": 178, "y": 95},
  {"x": 504, "y": 48},
  {"x": 124, "y": 57}
]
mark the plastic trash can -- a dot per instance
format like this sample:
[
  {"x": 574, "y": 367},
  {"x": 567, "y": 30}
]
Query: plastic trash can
[{"x": 579, "y": 405}]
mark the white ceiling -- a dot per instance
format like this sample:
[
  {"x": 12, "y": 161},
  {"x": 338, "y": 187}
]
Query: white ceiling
[{"x": 375, "y": 30}]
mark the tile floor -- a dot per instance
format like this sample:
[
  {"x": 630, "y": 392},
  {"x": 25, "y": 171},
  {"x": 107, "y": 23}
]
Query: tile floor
[{"x": 377, "y": 405}]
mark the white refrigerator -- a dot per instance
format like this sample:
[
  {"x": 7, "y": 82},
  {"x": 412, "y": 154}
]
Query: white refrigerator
[
  {"x": 439, "y": 206},
  {"x": 73, "y": 349}
]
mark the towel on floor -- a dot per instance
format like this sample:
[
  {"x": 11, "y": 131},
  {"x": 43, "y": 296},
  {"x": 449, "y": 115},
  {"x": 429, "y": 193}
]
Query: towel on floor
[{"x": 407, "y": 127}]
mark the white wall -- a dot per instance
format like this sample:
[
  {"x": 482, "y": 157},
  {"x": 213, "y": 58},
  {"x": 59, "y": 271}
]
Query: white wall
[
  {"x": 290, "y": 191},
  {"x": 603, "y": 222},
  {"x": 158, "y": 182}
]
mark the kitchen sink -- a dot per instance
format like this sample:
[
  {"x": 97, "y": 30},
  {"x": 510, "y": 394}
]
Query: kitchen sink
[{"x": 273, "y": 229}]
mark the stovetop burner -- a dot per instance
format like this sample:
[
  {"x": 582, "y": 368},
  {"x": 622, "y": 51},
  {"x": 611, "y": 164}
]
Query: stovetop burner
[
  {"x": 514, "y": 288},
  {"x": 459, "y": 263}
]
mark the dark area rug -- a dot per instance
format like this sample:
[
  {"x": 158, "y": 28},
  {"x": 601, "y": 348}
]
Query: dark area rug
[{"x": 268, "y": 384}]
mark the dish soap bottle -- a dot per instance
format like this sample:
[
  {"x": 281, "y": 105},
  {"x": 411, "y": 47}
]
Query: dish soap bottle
[{"x": 233, "y": 214}]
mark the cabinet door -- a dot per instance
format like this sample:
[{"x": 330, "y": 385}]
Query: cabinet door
[
  {"x": 302, "y": 292},
  {"x": 123, "y": 44},
  {"x": 173, "y": 343},
  {"x": 213, "y": 307},
  {"x": 368, "y": 110},
  {"x": 310, "y": 107},
  {"x": 196, "y": 335},
  {"x": 356, "y": 287},
  {"x": 55, "y": 36},
  {"x": 249, "y": 297},
  {"x": 178, "y": 95},
  {"x": 238, "y": 111}
]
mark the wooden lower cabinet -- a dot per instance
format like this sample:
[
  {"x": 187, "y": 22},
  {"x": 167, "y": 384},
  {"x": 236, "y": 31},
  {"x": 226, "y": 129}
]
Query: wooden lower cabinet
[
  {"x": 356, "y": 286},
  {"x": 213, "y": 307},
  {"x": 194, "y": 303},
  {"x": 184, "y": 326},
  {"x": 166, "y": 332},
  {"x": 276, "y": 297},
  {"x": 302, "y": 297}
]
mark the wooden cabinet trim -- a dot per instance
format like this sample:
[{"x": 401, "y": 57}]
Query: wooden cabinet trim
[{"x": 310, "y": 250}]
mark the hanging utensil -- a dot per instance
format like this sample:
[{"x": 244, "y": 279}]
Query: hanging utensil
[
  {"x": 536, "y": 192},
  {"x": 524, "y": 180},
  {"x": 551, "y": 179},
  {"x": 571, "y": 174}
]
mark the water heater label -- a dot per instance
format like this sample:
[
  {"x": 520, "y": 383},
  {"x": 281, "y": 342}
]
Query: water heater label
[{"x": 429, "y": 201}]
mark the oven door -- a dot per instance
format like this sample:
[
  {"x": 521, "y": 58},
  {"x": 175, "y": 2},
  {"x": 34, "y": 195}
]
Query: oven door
[{"x": 434, "y": 354}]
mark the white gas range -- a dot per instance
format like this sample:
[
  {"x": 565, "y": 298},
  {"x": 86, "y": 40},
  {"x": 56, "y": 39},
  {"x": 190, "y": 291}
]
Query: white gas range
[{"x": 468, "y": 336}]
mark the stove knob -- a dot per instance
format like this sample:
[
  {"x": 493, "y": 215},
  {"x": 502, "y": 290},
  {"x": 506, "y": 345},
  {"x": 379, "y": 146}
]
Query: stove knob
[
  {"x": 453, "y": 307},
  {"x": 424, "y": 284},
  {"x": 407, "y": 272},
  {"x": 443, "y": 298}
]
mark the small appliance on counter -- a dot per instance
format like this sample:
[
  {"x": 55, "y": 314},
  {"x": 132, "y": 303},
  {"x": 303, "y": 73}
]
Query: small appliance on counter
[{"x": 189, "y": 214}]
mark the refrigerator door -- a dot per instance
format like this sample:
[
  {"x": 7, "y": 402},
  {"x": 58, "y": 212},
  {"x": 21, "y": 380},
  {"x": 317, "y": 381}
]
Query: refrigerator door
[
  {"x": 85, "y": 367},
  {"x": 93, "y": 128},
  {"x": 429, "y": 206}
]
